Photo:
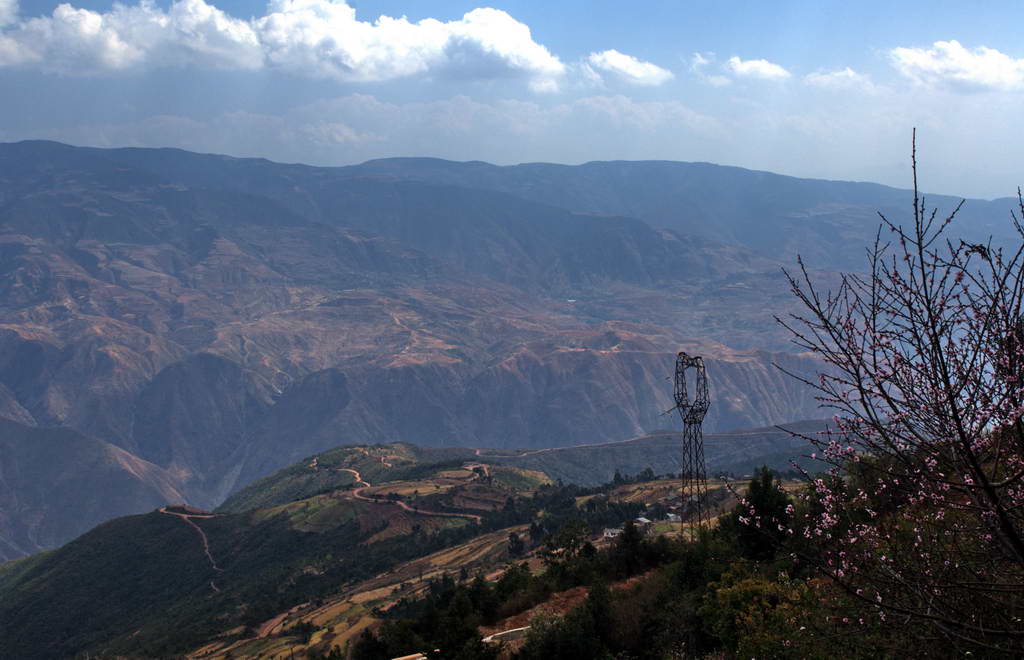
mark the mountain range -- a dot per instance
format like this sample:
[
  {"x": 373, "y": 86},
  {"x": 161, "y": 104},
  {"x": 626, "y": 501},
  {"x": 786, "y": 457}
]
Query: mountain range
[{"x": 174, "y": 326}]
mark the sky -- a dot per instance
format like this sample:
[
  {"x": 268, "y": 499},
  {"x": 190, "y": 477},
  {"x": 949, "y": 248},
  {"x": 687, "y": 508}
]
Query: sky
[{"x": 813, "y": 89}]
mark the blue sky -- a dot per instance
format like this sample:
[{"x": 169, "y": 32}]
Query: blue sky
[{"x": 819, "y": 89}]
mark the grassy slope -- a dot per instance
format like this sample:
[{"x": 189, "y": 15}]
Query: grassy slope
[
  {"x": 587, "y": 465},
  {"x": 143, "y": 586},
  {"x": 71, "y": 598},
  {"x": 373, "y": 462},
  {"x": 342, "y": 617}
]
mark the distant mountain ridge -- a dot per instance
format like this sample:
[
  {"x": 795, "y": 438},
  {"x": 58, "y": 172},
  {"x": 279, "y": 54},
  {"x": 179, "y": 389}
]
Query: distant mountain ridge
[
  {"x": 772, "y": 214},
  {"x": 219, "y": 318}
]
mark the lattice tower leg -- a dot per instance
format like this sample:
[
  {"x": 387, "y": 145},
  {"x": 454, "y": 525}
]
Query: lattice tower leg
[{"x": 694, "y": 478}]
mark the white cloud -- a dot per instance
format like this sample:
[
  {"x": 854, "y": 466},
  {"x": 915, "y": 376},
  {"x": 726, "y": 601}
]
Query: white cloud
[
  {"x": 324, "y": 38},
  {"x": 699, "y": 62},
  {"x": 81, "y": 41},
  {"x": 949, "y": 63},
  {"x": 587, "y": 75},
  {"x": 761, "y": 69},
  {"x": 628, "y": 68},
  {"x": 841, "y": 79},
  {"x": 313, "y": 38},
  {"x": 8, "y": 11}
]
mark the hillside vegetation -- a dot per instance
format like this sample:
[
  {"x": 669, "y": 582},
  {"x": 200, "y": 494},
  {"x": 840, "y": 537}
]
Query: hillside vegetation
[{"x": 161, "y": 583}]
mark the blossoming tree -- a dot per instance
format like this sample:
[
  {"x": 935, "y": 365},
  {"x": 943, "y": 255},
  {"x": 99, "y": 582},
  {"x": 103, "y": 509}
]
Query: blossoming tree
[{"x": 919, "y": 516}]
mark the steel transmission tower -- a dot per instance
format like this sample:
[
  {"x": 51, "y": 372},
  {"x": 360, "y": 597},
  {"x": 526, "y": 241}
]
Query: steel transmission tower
[{"x": 692, "y": 404}]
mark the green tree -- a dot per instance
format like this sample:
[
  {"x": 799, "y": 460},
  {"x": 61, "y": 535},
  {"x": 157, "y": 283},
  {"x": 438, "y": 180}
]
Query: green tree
[
  {"x": 565, "y": 545},
  {"x": 573, "y": 636},
  {"x": 759, "y": 522},
  {"x": 754, "y": 617},
  {"x": 369, "y": 647},
  {"x": 516, "y": 546},
  {"x": 628, "y": 551},
  {"x": 598, "y": 604}
]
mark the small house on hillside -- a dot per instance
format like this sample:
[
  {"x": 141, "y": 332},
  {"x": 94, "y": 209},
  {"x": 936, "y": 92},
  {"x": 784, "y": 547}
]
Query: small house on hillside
[
  {"x": 611, "y": 532},
  {"x": 644, "y": 525}
]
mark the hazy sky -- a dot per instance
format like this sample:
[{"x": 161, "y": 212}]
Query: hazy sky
[{"x": 819, "y": 89}]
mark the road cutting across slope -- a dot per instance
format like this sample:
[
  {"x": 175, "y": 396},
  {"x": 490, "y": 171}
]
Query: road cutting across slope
[
  {"x": 358, "y": 494},
  {"x": 359, "y": 478},
  {"x": 202, "y": 536}
]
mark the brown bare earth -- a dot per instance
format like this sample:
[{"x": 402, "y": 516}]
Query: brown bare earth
[{"x": 558, "y": 605}]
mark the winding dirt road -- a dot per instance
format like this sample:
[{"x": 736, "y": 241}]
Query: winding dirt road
[
  {"x": 358, "y": 494},
  {"x": 359, "y": 478},
  {"x": 187, "y": 517}
]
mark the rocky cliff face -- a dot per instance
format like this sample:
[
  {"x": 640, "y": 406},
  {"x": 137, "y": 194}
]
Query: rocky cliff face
[{"x": 215, "y": 319}]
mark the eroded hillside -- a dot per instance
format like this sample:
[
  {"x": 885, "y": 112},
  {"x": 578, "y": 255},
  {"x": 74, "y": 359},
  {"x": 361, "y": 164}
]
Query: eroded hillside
[{"x": 219, "y": 318}]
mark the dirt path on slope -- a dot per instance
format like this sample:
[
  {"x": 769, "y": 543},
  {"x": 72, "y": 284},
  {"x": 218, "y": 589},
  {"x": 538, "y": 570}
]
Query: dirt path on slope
[
  {"x": 187, "y": 517},
  {"x": 359, "y": 478},
  {"x": 358, "y": 494},
  {"x": 445, "y": 514}
]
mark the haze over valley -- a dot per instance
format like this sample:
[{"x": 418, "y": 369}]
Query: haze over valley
[
  {"x": 523, "y": 332},
  {"x": 213, "y": 319}
]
